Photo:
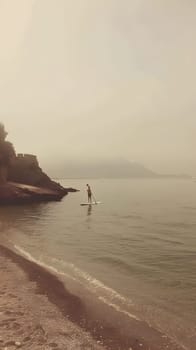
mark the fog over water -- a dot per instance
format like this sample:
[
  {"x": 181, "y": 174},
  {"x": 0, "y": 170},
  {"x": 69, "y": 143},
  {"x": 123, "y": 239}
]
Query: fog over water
[{"x": 87, "y": 79}]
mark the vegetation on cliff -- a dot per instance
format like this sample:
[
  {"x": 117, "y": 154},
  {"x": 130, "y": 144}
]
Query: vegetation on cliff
[{"x": 7, "y": 154}]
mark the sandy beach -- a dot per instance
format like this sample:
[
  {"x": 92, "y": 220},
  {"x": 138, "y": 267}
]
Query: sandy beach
[{"x": 28, "y": 320}]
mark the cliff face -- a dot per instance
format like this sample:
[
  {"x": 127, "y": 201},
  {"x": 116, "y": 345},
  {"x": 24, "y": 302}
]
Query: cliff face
[
  {"x": 15, "y": 193},
  {"x": 21, "y": 178},
  {"x": 26, "y": 170}
]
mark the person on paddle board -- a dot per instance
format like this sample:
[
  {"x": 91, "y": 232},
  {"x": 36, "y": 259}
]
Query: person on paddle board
[{"x": 89, "y": 192}]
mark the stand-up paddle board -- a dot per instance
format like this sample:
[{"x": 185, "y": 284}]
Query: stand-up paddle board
[{"x": 93, "y": 203}]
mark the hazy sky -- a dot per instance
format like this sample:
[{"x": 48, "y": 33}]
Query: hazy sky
[{"x": 94, "y": 78}]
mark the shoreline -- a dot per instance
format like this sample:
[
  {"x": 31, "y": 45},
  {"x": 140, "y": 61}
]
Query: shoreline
[
  {"x": 106, "y": 329},
  {"x": 29, "y": 316}
]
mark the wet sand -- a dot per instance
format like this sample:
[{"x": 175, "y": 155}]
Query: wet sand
[
  {"x": 28, "y": 320},
  {"x": 38, "y": 312}
]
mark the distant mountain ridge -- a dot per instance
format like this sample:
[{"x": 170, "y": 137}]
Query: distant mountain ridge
[
  {"x": 105, "y": 169},
  {"x": 100, "y": 169}
]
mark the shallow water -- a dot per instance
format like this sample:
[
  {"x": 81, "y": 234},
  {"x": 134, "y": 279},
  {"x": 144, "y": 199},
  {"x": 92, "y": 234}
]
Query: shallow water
[{"x": 136, "y": 251}]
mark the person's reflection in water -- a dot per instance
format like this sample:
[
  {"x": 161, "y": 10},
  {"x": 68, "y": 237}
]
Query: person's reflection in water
[{"x": 89, "y": 211}]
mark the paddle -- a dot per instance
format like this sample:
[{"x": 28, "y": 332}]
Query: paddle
[{"x": 94, "y": 198}]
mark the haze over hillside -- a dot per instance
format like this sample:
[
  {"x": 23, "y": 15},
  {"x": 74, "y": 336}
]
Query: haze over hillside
[
  {"x": 107, "y": 169},
  {"x": 119, "y": 168}
]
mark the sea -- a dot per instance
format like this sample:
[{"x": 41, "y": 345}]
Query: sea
[{"x": 135, "y": 251}]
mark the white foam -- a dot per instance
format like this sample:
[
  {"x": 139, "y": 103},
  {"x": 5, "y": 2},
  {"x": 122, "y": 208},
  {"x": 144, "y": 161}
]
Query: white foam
[
  {"x": 41, "y": 263},
  {"x": 98, "y": 286},
  {"x": 93, "y": 281},
  {"x": 118, "y": 308}
]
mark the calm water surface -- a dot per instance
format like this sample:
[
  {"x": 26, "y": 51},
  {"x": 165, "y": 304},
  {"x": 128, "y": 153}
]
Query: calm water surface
[{"x": 136, "y": 250}]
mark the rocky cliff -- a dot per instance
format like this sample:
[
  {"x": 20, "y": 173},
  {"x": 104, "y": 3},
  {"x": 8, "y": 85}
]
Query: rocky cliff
[
  {"x": 15, "y": 193},
  {"x": 21, "y": 178},
  {"x": 25, "y": 169}
]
